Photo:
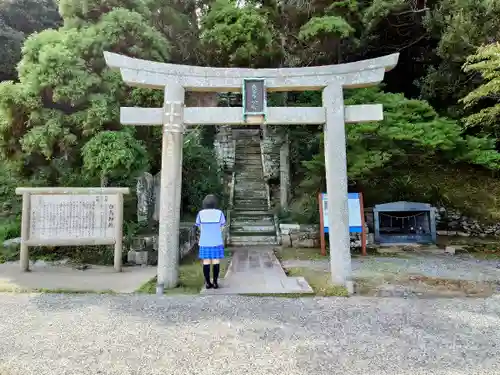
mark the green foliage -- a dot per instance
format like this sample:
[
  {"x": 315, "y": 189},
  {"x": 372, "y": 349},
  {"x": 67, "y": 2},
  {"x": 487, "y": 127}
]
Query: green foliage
[
  {"x": 411, "y": 133},
  {"x": 113, "y": 154},
  {"x": 326, "y": 26},
  {"x": 486, "y": 62},
  {"x": 236, "y": 35},
  {"x": 59, "y": 123},
  {"x": 410, "y": 130},
  {"x": 460, "y": 27},
  {"x": 473, "y": 191},
  {"x": 200, "y": 174},
  {"x": 66, "y": 95},
  {"x": 379, "y": 10},
  {"x": 18, "y": 19}
]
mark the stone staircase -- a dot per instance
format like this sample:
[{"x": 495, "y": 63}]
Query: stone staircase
[{"x": 252, "y": 223}]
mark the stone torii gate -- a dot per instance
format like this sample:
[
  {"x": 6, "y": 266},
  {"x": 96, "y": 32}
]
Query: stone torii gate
[{"x": 175, "y": 80}]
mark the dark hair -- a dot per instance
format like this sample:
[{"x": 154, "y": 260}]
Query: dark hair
[{"x": 210, "y": 201}]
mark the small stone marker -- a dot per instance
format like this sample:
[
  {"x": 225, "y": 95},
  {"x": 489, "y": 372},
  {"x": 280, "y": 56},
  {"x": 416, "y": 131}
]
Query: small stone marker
[
  {"x": 449, "y": 250},
  {"x": 71, "y": 217}
]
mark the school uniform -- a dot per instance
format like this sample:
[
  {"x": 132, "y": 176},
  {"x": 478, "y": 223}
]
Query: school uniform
[{"x": 211, "y": 243}]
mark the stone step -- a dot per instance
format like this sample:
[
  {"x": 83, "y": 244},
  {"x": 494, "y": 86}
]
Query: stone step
[
  {"x": 244, "y": 169},
  {"x": 250, "y": 161},
  {"x": 249, "y": 165},
  {"x": 243, "y": 184},
  {"x": 243, "y": 153},
  {"x": 250, "y": 197},
  {"x": 246, "y": 187},
  {"x": 249, "y": 185},
  {"x": 263, "y": 216},
  {"x": 244, "y": 175},
  {"x": 248, "y": 168},
  {"x": 257, "y": 221},
  {"x": 256, "y": 229},
  {"x": 252, "y": 240},
  {"x": 250, "y": 202},
  {"x": 247, "y": 154},
  {"x": 236, "y": 213},
  {"x": 239, "y": 132},
  {"x": 252, "y": 219},
  {"x": 257, "y": 178},
  {"x": 251, "y": 208},
  {"x": 247, "y": 146},
  {"x": 261, "y": 221}
]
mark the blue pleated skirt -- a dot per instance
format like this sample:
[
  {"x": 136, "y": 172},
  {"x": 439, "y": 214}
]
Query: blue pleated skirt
[{"x": 211, "y": 252}]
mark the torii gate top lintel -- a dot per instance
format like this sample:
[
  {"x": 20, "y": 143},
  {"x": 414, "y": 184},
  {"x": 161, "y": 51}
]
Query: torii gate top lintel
[{"x": 150, "y": 74}]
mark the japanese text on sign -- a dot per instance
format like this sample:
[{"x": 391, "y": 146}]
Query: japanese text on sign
[
  {"x": 254, "y": 94},
  {"x": 73, "y": 216}
]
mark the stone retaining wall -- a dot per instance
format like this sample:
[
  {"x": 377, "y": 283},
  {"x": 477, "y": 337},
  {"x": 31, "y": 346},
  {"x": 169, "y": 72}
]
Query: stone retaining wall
[
  {"x": 270, "y": 147},
  {"x": 451, "y": 222},
  {"x": 144, "y": 249},
  {"x": 308, "y": 236},
  {"x": 224, "y": 147}
]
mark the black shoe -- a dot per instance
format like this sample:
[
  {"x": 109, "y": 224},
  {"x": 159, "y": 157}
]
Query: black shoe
[
  {"x": 206, "y": 275},
  {"x": 216, "y": 268}
]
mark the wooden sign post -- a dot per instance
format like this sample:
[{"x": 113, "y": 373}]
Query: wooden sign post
[{"x": 356, "y": 218}]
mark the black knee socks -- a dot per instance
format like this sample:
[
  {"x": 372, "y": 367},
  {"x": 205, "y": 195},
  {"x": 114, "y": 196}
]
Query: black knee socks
[
  {"x": 216, "y": 272},
  {"x": 206, "y": 273}
]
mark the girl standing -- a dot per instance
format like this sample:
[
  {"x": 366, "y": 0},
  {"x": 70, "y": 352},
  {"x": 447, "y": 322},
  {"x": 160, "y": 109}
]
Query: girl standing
[{"x": 211, "y": 221}]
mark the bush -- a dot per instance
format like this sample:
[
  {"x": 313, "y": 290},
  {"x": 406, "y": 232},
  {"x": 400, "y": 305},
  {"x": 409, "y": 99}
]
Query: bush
[{"x": 201, "y": 174}]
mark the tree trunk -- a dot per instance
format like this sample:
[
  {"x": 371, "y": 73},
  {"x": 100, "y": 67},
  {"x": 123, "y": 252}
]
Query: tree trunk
[{"x": 104, "y": 180}]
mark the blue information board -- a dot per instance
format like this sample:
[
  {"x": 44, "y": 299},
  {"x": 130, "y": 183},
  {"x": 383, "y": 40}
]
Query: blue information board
[{"x": 355, "y": 219}]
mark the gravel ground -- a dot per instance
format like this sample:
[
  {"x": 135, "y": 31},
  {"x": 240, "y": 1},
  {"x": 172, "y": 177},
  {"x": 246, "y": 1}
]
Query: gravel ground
[
  {"x": 441, "y": 266},
  {"x": 103, "y": 334}
]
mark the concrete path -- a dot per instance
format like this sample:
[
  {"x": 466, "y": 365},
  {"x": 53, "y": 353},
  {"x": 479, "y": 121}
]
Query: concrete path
[
  {"x": 256, "y": 270},
  {"x": 140, "y": 334},
  {"x": 46, "y": 276}
]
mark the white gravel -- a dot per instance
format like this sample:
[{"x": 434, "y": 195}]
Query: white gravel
[{"x": 103, "y": 334}]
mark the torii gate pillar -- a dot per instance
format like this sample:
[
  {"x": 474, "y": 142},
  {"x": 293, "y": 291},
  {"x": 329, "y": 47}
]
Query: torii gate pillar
[{"x": 176, "y": 79}]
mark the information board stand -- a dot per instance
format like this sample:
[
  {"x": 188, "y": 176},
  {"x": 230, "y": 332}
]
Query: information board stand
[
  {"x": 71, "y": 217},
  {"x": 356, "y": 218}
]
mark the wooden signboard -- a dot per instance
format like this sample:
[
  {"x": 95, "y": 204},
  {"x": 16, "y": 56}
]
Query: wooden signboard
[
  {"x": 356, "y": 218},
  {"x": 71, "y": 217}
]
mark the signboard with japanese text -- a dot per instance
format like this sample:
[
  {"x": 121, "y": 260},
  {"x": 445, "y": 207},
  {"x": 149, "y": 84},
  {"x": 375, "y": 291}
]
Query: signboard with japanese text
[
  {"x": 254, "y": 97},
  {"x": 356, "y": 218},
  {"x": 354, "y": 204}
]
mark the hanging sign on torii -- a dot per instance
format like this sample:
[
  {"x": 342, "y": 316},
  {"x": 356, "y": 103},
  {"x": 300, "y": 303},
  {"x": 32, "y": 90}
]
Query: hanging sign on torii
[{"x": 254, "y": 100}]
